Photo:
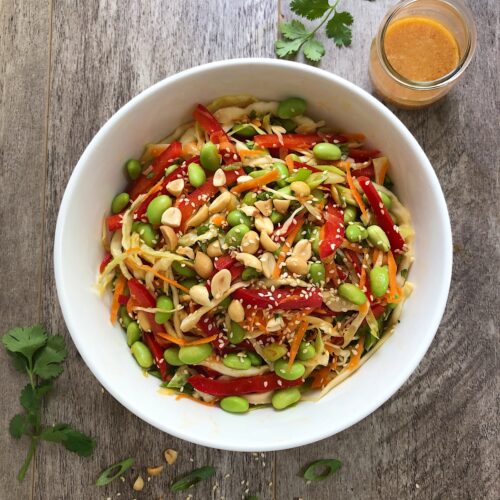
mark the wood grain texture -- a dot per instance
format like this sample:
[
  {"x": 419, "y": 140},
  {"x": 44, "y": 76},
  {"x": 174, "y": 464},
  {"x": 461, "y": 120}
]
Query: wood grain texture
[
  {"x": 24, "y": 56},
  {"x": 104, "y": 53},
  {"x": 436, "y": 438}
]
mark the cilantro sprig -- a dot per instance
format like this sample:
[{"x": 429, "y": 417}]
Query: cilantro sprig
[
  {"x": 295, "y": 36},
  {"x": 40, "y": 357}
]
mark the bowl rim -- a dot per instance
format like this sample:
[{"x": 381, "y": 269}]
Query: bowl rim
[{"x": 315, "y": 434}]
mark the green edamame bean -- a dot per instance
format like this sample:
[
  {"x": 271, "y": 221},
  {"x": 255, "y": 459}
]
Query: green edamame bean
[
  {"x": 244, "y": 130},
  {"x": 120, "y": 201},
  {"x": 236, "y": 333},
  {"x": 316, "y": 179},
  {"x": 352, "y": 293},
  {"x": 283, "y": 171},
  {"x": 249, "y": 199},
  {"x": 133, "y": 333},
  {"x": 196, "y": 175},
  {"x": 255, "y": 359},
  {"x": 125, "y": 319},
  {"x": 293, "y": 372},
  {"x": 350, "y": 215},
  {"x": 210, "y": 157},
  {"x": 142, "y": 354},
  {"x": 194, "y": 354},
  {"x": 276, "y": 217},
  {"x": 183, "y": 270},
  {"x": 235, "y": 235},
  {"x": 287, "y": 124},
  {"x": 378, "y": 238},
  {"x": 236, "y": 217},
  {"x": 234, "y": 404},
  {"x": 156, "y": 208},
  {"x": 148, "y": 234},
  {"x": 133, "y": 168},
  {"x": 317, "y": 272},
  {"x": 166, "y": 303},
  {"x": 285, "y": 397},
  {"x": 171, "y": 356},
  {"x": 306, "y": 351},
  {"x": 327, "y": 151},
  {"x": 293, "y": 106},
  {"x": 355, "y": 233},
  {"x": 379, "y": 280},
  {"x": 301, "y": 175},
  {"x": 249, "y": 273},
  {"x": 272, "y": 352},
  {"x": 237, "y": 362},
  {"x": 315, "y": 240}
]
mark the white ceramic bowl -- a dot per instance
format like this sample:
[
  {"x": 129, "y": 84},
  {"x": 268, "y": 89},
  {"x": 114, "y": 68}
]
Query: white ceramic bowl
[{"x": 98, "y": 177}]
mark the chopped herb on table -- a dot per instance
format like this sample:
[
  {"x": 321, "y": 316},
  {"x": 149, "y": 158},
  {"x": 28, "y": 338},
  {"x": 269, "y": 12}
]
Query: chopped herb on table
[
  {"x": 40, "y": 357},
  {"x": 297, "y": 37},
  {"x": 321, "y": 469}
]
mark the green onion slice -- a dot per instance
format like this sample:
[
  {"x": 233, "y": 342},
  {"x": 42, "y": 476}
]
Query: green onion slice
[
  {"x": 326, "y": 467},
  {"x": 192, "y": 478},
  {"x": 108, "y": 475}
]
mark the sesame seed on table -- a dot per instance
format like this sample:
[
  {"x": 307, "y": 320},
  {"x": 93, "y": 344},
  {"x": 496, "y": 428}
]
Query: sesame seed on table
[{"x": 66, "y": 68}]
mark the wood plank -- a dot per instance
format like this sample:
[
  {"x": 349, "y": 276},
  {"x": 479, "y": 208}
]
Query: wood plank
[
  {"x": 438, "y": 436},
  {"x": 103, "y": 54},
  {"x": 24, "y": 57}
]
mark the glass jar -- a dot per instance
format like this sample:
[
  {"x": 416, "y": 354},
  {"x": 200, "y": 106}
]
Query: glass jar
[{"x": 450, "y": 16}]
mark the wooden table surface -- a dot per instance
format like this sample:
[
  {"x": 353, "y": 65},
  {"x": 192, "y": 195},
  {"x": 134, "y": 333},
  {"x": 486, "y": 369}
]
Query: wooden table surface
[{"x": 66, "y": 67}]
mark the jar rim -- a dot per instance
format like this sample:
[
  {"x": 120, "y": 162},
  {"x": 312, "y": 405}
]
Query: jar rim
[{"x": 470, "y": 27}]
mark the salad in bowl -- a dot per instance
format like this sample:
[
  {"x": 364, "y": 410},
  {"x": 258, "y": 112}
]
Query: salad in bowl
[{"x": 257, "y": 256}]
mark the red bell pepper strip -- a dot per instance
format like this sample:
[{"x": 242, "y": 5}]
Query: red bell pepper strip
[
  {"x": 240, "y": 386},
  {"x": 377, "y": 310},
  {"x": 123, "y": 299},
  {"x": 363, "y": 172},
  {"x": 382, "y": 216},
  {"x": 224, "y": 262},
  {"x": 363, "y": 154},
  {"x": 290, "y": 141},
  {"x": 298, "y": 164},
  {"x": 283, "y": 298},
  {"x": 332, "y": 233},
  {"x": 157, "y": 353},
  {"x": 114, "y": 222},
  {"x": 105, "y": 261},
  {"x": 145, "y": 182},
  {"x": 200, "y": 196},
  {"x": 144, "y": 298}
]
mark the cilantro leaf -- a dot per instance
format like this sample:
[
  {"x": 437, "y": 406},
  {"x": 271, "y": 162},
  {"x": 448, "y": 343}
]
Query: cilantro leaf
[
  {"x": 314, "y": 50},
  {"x": 47, "y": 363},
  {"x": 18, "y": 425},
  {"x": 310, "y": 9},
  {"x": 338, "y": 28},
  {"x": 71, "y": 439},
  {"x": 19, "y": 361},
  {"x": 294, "y": 30},
  {"x": 25, "y": 341},
  {"x": 286, "y": 48},
  {"x": 29, "y": 400}
]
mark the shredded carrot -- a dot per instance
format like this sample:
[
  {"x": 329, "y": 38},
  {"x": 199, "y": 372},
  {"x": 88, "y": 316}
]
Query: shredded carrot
[
  {"x": 383, "y": 172},
  {"x": 196, "y": 400},
  {"x": 363, "y": 308},
  {"x": 130, "y": 305},
  {"x": 395, "y": 292},
  {"x": 289, "y": 163},
  {"x": 362, "y": 278},
  {"x": 149, "y": 269},
  {"x": 294, "y": 349},
  {"x": 354, "y": 137},
  {"x": 283, "y": 152},
  {"x": 218, "y": 220},
  {"x": 353, "y": 189},
  {"x": 115, "y": 305},
  {"x": 286, "y": 248},
  {"x": 375, "y": 255},
  {"x": 354, "y": 362},
  {"x": 258, "y": 182},
  {"x": 182, "y": 342},
  {"x": 251, "y": 152},
  {"x": 321, "y": 376}
]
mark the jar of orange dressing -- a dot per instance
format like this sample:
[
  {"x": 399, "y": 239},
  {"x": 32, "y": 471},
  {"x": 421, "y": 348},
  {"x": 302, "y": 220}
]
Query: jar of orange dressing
[{"x": 421, "y": 50}]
